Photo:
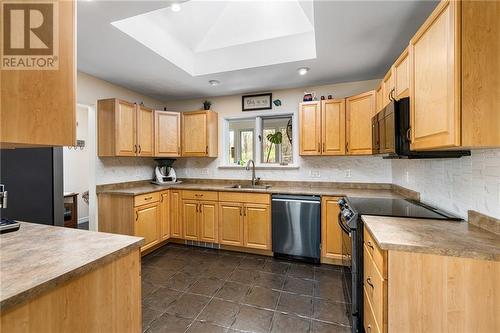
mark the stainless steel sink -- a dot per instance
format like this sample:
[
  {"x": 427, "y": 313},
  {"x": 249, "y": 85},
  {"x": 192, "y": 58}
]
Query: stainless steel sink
[{"x": 263, "y": 187}]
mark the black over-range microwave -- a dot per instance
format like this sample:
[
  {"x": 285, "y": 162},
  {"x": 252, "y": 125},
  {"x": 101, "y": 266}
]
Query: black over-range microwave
[{"x": 391, "y": 134}]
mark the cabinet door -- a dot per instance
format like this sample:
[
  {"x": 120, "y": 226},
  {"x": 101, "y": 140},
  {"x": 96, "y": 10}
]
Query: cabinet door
[
  {"x": 331, "y": 234},
  {"x": 379, "y": 97},
  {"x": 388, "y": 88},
  {"x": 310, "y": 128},
  {"x": 434, "y": 85},
  {"x": 175, "y": 214},
  {"x": 189, "y": 215},
  {"x": 147, "y": 224},
  {"x": 164, "y": 215},
  {"x": 402, "y": 76},
  {"x": 257, "y": 226},
  {"x": 333, "y": 127},
  {"x": 208, "y": 221},
  {"x": 145, "y": 121},
  {"x": 359, "y": 112},
  {"x": 125, "y": 135},
  {"x": 167, "y": 134},
  {"x": 231, "y": 223},
  {"x": 194, "y": 134}
]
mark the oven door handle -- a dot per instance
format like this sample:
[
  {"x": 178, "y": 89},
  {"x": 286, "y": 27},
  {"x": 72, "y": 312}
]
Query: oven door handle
[{"x": 342, "y": 226}]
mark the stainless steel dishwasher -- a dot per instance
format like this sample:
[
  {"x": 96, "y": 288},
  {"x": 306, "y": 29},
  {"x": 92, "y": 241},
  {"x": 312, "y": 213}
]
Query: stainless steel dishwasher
[{"x": 296, "y": 226}]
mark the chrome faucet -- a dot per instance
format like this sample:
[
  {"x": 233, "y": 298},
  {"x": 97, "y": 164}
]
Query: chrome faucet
[
  {"x": 3, "y": 196},
  {"x": 254, "y": 179}
]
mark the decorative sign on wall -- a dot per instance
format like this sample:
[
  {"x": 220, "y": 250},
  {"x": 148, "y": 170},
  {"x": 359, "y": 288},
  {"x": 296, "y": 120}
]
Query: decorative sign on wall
[{"x": 257, "y": 102}]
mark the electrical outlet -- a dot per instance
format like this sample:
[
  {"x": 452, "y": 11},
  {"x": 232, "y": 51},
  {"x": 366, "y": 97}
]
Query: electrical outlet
[
  {"x": 204, "y": 171},
  {"x": 407, "y": 177},
  {"x": 315, "y": 173},
  {"x": 348, "y": 173}
]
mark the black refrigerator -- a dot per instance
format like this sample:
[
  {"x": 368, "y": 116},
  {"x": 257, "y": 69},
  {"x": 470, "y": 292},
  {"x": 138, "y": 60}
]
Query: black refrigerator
[{"x": 33, "y": 178}]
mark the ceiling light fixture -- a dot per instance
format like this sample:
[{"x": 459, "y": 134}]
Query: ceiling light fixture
[
  {"x": 303, "y": 70},
  {"x": 214, "y": 83},
  {"x": 175, "y": 7}
]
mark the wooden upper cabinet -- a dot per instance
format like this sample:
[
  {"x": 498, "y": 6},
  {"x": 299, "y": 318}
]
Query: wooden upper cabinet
[
  {"x": 38, "y": 107},
  {"x": 164, "y": 215},
  {"x": 147, "y": 224},
  {"x": 402, "y": 76},
  {"x": 145, "y": 130},
  {"x": 310, "y": 128},
  {"x": 116, "y": 128},
  {"x": 231, "y": 223},
  {"x": 359, "y": 112},
  {"x": 257, "y": 226},
  {"x": 333, "y": 127},
  {"x": 199, "y": 133},
  {"x": 387, "y": 88},
  {"x": 331, "y": 234},
  {"x": 175, "y": 214},
  {"x": 167, "y": 134},
  {"x": 379, "y": 98}
]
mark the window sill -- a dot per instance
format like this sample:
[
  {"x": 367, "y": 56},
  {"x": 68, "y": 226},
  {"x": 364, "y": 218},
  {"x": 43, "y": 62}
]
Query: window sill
[{"x": 261, "y": 167}]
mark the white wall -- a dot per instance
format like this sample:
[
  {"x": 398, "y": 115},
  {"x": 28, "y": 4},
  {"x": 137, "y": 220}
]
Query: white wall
[
  {"x": 363, "y": 169},
  {"x": 455, "y": 185},
  {"x": 76, "y": 164}
]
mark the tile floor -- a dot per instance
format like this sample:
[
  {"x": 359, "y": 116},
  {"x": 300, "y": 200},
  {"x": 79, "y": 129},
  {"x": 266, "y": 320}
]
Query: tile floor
[{"x": 191, "y": 289}]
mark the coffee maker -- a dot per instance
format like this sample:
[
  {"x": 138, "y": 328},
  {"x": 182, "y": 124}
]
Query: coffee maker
[{"x": 164, "y": 172}]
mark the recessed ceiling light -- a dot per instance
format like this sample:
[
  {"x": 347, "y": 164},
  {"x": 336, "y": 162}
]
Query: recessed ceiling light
[
  {"x": 214, "y": 82},
  {"x": 175, "y": 7},
  {"x": 303, "y": 70}
]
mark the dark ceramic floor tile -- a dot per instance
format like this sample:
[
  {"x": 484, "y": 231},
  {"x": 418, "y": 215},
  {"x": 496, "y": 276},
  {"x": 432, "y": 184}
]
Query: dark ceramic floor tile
[
  {"x": 261, "y": 297},
  {"x": 327, "y": 274},
  {"x": 276, "y": 267},
  {"x": 253, "y": 320},
  {"x": 220, "y": 312},
  {"x": 148, "y": 315},
  {"x": 204, "y": 327},
  {"x": 319, "y": 327},
  {"x": 333, "y": 312},
  {"x": 253, "y": 263},
  {"x": 206, "y": 286},
  {"x": 330, "y": 290},
  {"x": 243, "y": 276},
  {"x": 233, "y": 291},
  {"x": 157, "y": 276},
  {"x": 219, "y": 271},
  {"x": 297, "y": 304},
  {"x": 169, "y": 323},
  {"x": 301, "y": 271},
  {"x": 148, "y": 288},
  {"x": 283, "y": 323},
  {"x": 181, "y": 281},
  {"x": 269, "y": 280},
  {"x": 161, "y": 299},
  {"x": 188, "y": 305},
  {"x": 195, "y": 268},
  {"x": 298, "y": 285}
]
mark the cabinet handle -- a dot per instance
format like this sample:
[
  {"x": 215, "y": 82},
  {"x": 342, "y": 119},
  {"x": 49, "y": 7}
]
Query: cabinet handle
[
  {"x": 319, "y": 147},
  {"x": 408, "y": 134},
  {"x": 148, "y": 198},
  {"x": 369, "y": 328},
  {"x": 136, "y": 216},
  {"x": 369, "y": 244},
  {"x": 135, "y": 149},
  {"x": 198, "y": 195},
  {"x": 206, "y": 150},
  {"x": 179, "y": 150},
  {"x": 369, "y": 281},
  {"x": 324, "y": 147},
  {"x": 197, "y": 208},
  {"x": 347, "y": 146},
  {"x": 139, "y": 149},
  {"x": 201, "y": 208},
  {"x": 245, "y": 211}
]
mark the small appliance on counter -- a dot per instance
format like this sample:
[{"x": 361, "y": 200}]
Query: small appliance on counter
[
  {"x": 7, "y": 225},
  {"x": 164, "y": 172}
]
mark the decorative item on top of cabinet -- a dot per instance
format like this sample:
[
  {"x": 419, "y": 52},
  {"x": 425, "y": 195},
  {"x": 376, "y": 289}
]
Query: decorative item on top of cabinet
[
  {"x": 331, "y": 234},
  {"x": 402, "y": 76},
  {"x": 454, "y": 72},
  {"x": 359, "y": 112},
  {"x": 167, "y": 134},
  {"x": 199, "y": 133},
  {"x": 124, "y": 128},
  {"x": 38, "y": 106}
]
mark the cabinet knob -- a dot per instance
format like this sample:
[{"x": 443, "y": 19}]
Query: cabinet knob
[
  {"x": 369, "y": 282},
  {"x": 369, "y": 244}
]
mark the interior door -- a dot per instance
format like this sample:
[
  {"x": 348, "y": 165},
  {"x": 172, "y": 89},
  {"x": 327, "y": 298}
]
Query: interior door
[
  {"x": 257, "y": 226},
  {"x": 145, "y": 125},
  {"x": 310, "y": 128},
  {"x": 331, "y": 234},
  {"x": 208, "y": 221},
  {"x": 167, "y": 134},
  {"x": 194, "y": 134},
  {"x": 146, "y": 225},
  {"x": 359, "y": 112},
  {"x": 333, "y": 127},
  {"x": 231, "y": 223},
  {"x": 190, "y": 218},
  {"x": 175, "y": 214},
  {"x": 164, "y": 215},
  {"x": 125, "y": 134}
]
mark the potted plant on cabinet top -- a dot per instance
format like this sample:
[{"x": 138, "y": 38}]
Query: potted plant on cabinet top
[{"x": 206, "y": 105}]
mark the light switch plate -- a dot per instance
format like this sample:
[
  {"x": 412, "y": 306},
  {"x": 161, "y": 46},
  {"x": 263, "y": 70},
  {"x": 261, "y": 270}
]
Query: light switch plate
[
  {"x": 348, "y": 173},
  {"x": 315, "y": 173},
  {"x": 204, "y": 171}
]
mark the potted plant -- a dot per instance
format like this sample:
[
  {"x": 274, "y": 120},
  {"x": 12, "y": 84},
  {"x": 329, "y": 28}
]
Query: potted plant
[
  {"x": 206, "y": 105},
  {"x": 276, "y": 139}
]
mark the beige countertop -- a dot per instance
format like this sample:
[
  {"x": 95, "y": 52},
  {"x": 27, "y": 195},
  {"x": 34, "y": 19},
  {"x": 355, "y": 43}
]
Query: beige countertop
[
  {"x": 312, "y": 188},
  {"x": 37, "y": 258},
  {"x": 447, "y": 238}
]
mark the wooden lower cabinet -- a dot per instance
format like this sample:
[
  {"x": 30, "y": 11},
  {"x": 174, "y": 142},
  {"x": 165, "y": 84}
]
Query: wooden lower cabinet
[
  {"x": 231, "y": 223},
  {"x": 209, "y": 222},
  {"x": 331, "y": 234},
  {"x": 200, "y": 217},
  {"x": 257, "y": 226},
  {"x": 147, "y": 224},
  {"x": 164, "y": 215},
  {"x": 175, "y": 214},
  {"x": 190, "y": 219}
]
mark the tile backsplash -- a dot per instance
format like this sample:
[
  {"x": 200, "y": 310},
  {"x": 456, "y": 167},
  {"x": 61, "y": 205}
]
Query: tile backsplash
[
  {"x": 455, "y": 185},
  {"x": 123, "y": 169}
]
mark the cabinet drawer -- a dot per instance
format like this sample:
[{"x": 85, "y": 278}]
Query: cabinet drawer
[
  {"x": 146, "y": 198},
  {"x": 370, "y": 323},
  {"x": 379, "y": 256},
  {"x": 199, "y": 195},
  {"x": 245, "y": 197},
  {"x": 375, "y": 289}
]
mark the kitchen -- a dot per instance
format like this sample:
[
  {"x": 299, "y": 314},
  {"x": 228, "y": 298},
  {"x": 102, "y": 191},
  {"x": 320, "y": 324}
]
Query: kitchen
[{"x": 309, "y": 189}]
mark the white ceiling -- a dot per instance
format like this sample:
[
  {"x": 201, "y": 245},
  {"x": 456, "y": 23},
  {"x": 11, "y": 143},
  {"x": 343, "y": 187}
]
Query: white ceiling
[{"x": 354, "y": 40}]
